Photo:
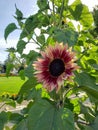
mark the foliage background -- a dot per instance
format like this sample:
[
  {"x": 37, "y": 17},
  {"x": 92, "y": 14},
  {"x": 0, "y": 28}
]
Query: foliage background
[{"x": 54, "y": 20}]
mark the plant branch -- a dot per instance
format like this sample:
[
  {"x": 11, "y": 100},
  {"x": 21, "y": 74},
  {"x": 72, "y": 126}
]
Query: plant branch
[
  {"x": 53, "y": 7},
  {"x": 61, "y": 12},
  {"x": 83, "y": 53},
  {"x": 33, "y": 38}
]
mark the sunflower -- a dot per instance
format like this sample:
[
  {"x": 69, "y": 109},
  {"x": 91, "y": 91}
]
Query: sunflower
[{"x": 55, "y": 66}]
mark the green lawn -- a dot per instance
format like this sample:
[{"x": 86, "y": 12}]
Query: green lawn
[{"x": 10, "y": 85}]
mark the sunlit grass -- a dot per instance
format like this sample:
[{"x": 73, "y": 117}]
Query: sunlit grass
[{"x": 10, "y": 85}]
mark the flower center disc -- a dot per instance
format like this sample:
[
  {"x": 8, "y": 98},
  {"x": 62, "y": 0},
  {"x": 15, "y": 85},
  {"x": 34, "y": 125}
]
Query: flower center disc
[{"x": 56, "y": 67}]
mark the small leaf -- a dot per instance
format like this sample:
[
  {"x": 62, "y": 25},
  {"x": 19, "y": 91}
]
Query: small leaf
[
  {"x": 41, "y": 39},
  {"x": 9, "y": 68},
  {"x": 21, "y": 46},
  {"x": 10, "y": 28},
  {"x": 29, "y": 71},
  {"x": 43, "y": 4},
  {"x": 27, "y": 86},
  {"x": 22, "y": 74},
  {"x": 31, "y": 56},
  {"x": 18, "y": 13}
]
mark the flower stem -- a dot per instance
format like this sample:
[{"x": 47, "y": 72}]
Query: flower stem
[{"x": 65, "y": 93}]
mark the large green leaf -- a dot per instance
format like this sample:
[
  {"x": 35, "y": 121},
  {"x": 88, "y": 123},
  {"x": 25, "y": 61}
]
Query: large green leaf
[
  {"x": 46, "y": 116},
  {"x": 76, "y": 9},
  {"x": 81, "y": 13},
  {"x": 22, "y": 125},
  {"x": 3, "y": 119},
  {"x": 86, "y": 17},
  {"x": 87, "y": 83},
  {"x": 67, "y": 36},
  {"x": 10, "y": 28},
  {"x": 95, "y": 124}
]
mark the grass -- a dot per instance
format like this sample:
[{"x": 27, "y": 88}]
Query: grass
[{"x": 10, "y": 85}]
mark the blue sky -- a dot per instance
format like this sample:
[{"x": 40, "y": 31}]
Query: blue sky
[{"x": 7, "y": 10}]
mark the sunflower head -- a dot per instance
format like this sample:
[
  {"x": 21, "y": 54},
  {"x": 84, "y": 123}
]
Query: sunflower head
[{"x": 55, "y": 66}]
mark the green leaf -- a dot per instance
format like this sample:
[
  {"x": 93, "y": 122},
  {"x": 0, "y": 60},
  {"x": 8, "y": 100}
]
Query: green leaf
[
  {"x": 11, "y": 102},
  {"x": 31, "y": 56},
  {"x": 41, "y": 39},
  {"x": 35, "y": 93},
  {"x": 23, "y": 34},
  {"x": 9, "y": 68},
  {"x": 18, "y": 13},
  {"x": 86, "y": 17},
  {"x": 31, "y": 23},
  {"x": 3, "y": 119},
  {"x": 95, "y": 124},
  {"x": 10, "y": 28},
  {"x": 87, "y": 83},
  {"x": 27, "y": 86},
  {"x": 29, "y": 71},
  {"x": 7, "y": 128},
  {"x": 76, "y": 9},
  {"x": 67, "y": 36},
  {"x": 43, "y": 20},
  {"x": 95, "y": 66},
  {"x": 15, "y": 117},
  {"x": 45, "y": 116},
  {"x": 21, "y": 46},
  {"x": 81, "y": 13},
  {"x": 22, "y": 74},
  {"x": 22, "y": 125},
  {"x": 43, "y": 4},
  {"x": 58, "y": 2}
]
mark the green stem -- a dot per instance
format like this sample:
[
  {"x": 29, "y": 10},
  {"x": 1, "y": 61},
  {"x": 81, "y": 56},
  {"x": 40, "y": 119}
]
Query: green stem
[
  {"x": 53, "y": 7},
  {"x": 65, "y": 93},
  {"x": 83, "y": 53},
  {"x": 61, "y": 12},
  {"x": 33, "y": 38}
]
